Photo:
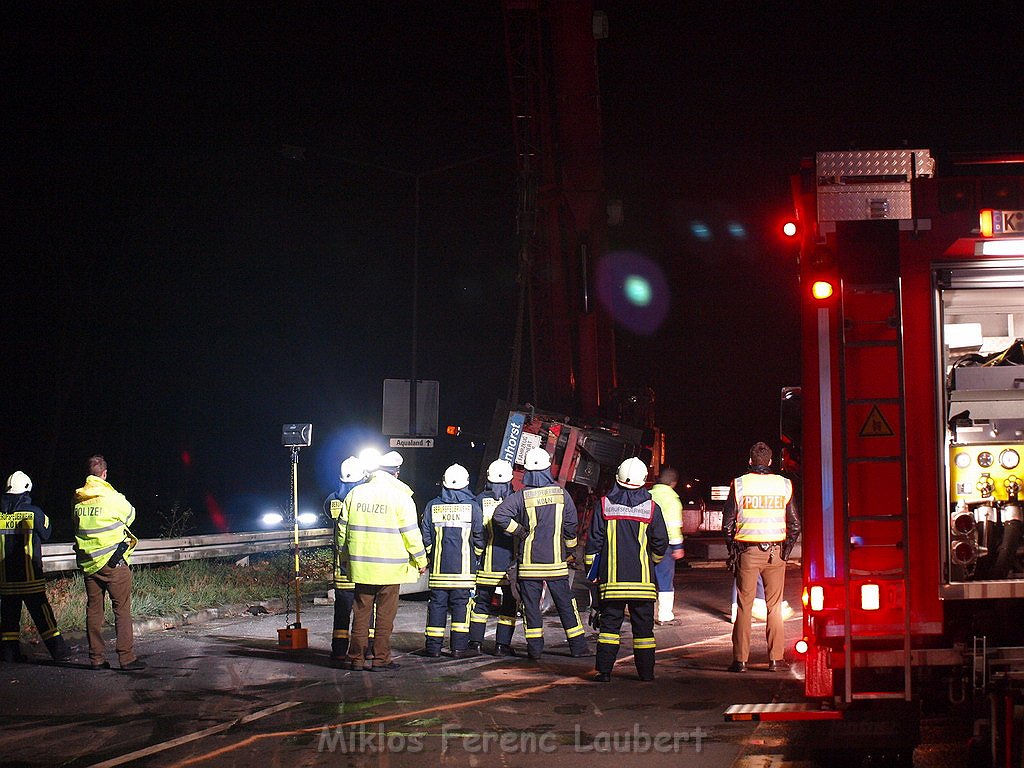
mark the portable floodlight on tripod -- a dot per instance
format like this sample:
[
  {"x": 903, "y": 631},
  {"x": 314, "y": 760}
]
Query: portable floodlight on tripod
[{"x": 295, "y": 436}]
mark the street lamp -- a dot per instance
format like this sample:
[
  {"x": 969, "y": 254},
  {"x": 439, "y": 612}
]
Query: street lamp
[{"x": 298, "y": 153}]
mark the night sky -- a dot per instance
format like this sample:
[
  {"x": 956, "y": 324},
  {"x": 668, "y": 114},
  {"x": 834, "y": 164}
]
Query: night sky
[{"x": 176, "y": 287}]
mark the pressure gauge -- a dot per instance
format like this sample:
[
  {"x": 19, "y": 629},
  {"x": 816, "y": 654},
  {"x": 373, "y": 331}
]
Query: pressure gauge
[
  {"x": 963, "y": 460},
  {"x": 985, "y": 459},
  {"x": 1009, "y": 459}
]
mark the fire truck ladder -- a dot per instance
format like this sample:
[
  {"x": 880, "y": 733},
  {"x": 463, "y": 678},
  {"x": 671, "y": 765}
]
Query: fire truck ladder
[{"x": 875, "y": 525}]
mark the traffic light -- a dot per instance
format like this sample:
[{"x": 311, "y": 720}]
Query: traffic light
[{"x": 452, "y": 430}]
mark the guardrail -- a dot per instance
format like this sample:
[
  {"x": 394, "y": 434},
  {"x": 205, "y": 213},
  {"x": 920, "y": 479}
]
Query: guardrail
[{"x": 61, "y": 557}]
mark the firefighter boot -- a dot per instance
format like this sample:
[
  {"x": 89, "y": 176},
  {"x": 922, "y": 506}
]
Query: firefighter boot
[
  {"x": 666, "y": 600},
  {"x": 58, "y": 649},
  {"x": 644, "y": 660}
]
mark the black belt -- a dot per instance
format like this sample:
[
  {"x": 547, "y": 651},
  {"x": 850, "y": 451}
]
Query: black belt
[{"x": 764, "y": 546}]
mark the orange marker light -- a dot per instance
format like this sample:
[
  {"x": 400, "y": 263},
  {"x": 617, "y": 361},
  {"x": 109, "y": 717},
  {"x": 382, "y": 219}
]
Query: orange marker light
[
  {"x": 985, "y": 222},
  {"x": 821, "y": 289}
]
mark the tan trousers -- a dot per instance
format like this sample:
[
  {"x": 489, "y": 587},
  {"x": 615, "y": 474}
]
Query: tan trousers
[
  {"x": 385, "y": 598},
  {"x": 755, "y": 562},
  {"x": 116, "y": 582}
]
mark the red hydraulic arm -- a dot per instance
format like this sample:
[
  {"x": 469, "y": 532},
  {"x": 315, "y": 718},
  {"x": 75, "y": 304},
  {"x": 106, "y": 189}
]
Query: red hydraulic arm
[{"x": 552, "y": 69}]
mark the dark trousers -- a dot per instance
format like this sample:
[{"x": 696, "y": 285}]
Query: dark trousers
[
  {"x": 484, "y": 608},
  {"x": 116, "y": 582},
  {"x": 530, "y": 590},
  {"x": 343, "y": 600},
  {"x": 641, "y": 618},
  {"x": 443, "y": 601},
  {"x": 379, "y": 603},
  {"x": 42, "y": 616}
]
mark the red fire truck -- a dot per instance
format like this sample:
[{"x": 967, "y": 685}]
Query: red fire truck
[{"x": 912, "y": 454}]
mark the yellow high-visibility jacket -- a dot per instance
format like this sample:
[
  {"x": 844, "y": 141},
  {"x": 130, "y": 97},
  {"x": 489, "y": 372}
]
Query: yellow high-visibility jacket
[
  {"x": 672, "y": 508},
  {"x": 102, "y": 517},
  {"x": 378, "y": 534}
]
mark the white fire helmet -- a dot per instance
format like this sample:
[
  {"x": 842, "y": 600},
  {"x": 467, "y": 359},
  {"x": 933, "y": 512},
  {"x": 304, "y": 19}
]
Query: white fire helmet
[
  {"x": 632, "y": 473},
  {"x": 352, "y": 470},
  {"x": 391, "y": 460},
  {"x": 537, "y": 458},
  {"x": 19, "y": 482},
  {"x": 499, "y": 471},
  {"x": 455, "y": 477}
]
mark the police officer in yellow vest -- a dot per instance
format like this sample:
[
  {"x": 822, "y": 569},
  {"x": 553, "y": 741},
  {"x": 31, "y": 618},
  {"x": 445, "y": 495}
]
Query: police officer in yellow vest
[
  {"x": 761, "y": 525},
  {"x": 104, "y": 546},
  {"x": 380, "y": 540},
  {"x": 23, "y": 529}
]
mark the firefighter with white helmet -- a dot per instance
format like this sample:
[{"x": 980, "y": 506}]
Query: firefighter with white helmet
[
  {"x": 23, "y": 528},
  {"x": 493, "y": 573},
  {"x": 627, "y": 540},
  {"x": 452, "y": 529},
  {"x": 542, "y": 516},
  {"x": 351, "y": 474}
]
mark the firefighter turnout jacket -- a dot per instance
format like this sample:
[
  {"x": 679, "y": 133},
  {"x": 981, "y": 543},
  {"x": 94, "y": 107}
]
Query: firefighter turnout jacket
[
  {"x": 23, "y": 528},
  {"x": 499, "y": 546},
  {"x": 627, "y": 538},
  {"x": 543, "y": 517},
  {"x": 377, "y": 533},
  {"x": 453, "y": 535},
  {"x": 760, "y": 509},
  {"x": 333, "y": 506},
  {"x": 102, "y": 517}
]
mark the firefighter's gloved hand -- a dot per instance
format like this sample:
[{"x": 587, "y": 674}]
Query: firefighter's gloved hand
[
  {"x": 594, "y": 619},
  {"x": 787, "y": 549}
]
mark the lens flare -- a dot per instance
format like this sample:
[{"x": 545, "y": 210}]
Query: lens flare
[
  {"x": 700, "y": 230},
  {"x": 637, "y": 290},
  {"x": 633, "y": 290}
]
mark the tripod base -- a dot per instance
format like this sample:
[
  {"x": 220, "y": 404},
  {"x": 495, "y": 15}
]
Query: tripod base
[{"x": 293, "y": 638}]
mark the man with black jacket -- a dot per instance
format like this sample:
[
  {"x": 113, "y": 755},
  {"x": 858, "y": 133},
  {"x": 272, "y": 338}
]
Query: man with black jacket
[{"x": 761, "y": 525}]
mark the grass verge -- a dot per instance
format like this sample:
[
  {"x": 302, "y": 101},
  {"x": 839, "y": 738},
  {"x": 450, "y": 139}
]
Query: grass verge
[{"x": 168, "y": 590}]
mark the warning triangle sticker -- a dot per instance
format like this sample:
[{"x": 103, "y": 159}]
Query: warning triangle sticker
[{"x": 875, "y": 425}]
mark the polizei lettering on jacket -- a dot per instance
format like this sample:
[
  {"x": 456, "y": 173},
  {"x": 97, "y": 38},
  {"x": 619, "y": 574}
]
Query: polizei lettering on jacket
[
  {"x": 763, "y": 501},
  {"x": 371, "y": 509}
]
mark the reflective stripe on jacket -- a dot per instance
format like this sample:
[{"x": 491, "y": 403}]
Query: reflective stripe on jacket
[
  {"x": 333, "y": 507},
  {"x": 378, "y": 534},
  {"x": 672, "y": 508},
  {"x": 544, "y": 517},
  {"x": 23, "y": 527},
  {"x": 102, "y": 517},
  {"x": 761, "y": 500},
  {"x": 499, "y": 548},
  {"x": 627, "y": 538},
  {"x": 453, "y": 534}
]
